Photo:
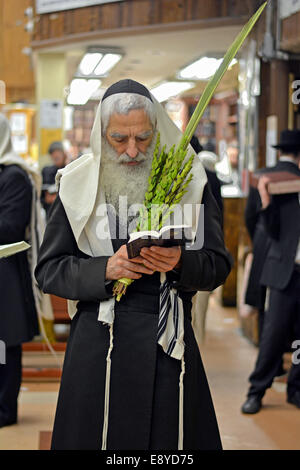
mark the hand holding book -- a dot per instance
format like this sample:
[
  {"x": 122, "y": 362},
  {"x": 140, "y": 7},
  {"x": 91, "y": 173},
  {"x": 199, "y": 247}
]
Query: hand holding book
[
  {"x": 150, "y": 260},
  {"x": 279, "y": 182},
  {"x": 161, "y": 259},
  {"x": 263, "y": 191}
]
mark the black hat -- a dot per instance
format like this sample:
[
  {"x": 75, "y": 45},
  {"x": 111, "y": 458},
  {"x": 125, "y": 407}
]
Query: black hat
[
  {"x": 289, "y": 140},
  {"x": 127, "y": 86}
]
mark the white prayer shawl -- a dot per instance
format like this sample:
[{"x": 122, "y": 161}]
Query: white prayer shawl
[
  {"x": 79, "y": 191},
  {"x": 36, "y": 227}
]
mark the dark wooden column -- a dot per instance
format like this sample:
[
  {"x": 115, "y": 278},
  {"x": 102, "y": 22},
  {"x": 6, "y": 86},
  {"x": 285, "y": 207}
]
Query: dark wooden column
[{"x": 274, "y": 101}]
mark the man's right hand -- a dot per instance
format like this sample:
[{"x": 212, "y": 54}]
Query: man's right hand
[{"x": 119, "y": 266}]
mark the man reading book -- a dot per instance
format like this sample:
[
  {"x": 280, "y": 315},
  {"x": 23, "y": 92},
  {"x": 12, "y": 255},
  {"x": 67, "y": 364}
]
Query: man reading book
[{"x": 120, "y": 389}]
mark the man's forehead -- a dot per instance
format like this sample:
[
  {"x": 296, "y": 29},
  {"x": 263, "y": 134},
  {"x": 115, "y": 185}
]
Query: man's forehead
[{"x": 134, "y": 119}]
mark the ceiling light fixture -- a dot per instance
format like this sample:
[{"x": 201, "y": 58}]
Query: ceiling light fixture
[
  {"x": 98, "y": 62},
  {"x": 89, "y": 62},
  {"x": 81, "y": 90},
  {"x": 106, "y": 64},
  {"x": 166, "y": 90},
  {"x": 202, "y": 69}
]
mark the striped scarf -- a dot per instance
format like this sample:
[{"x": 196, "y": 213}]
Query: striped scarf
[{"x": 170, "y": 332}]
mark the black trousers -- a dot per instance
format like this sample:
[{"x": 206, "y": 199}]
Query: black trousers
[
  {"x": 10, "y": 382},
  {"x": 281, "y": 318}
]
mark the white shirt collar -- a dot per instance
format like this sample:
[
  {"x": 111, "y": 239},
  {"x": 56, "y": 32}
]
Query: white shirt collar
[{"x": 287, "y": 159}]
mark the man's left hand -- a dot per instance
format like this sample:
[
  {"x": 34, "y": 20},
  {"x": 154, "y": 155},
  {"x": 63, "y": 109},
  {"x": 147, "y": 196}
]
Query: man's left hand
[{"x": 161, "y": 259}]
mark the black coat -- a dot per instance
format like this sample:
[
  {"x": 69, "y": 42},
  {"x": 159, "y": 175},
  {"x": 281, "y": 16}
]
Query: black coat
[
  {"x": 215, "y": 185},
  {"x": 18, "y": 319},
  {"x": 48, "y": 175},
  {"x": 260, "y": 236},
  {"x": 256, "y": 293},
  {"x": 282, "y": 222},
  {"x": 144, "y": 380}
]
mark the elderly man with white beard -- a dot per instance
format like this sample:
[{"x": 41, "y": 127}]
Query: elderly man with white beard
[{"x": 121, "y": 389}]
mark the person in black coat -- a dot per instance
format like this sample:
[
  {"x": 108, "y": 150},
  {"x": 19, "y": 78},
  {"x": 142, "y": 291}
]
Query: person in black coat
[
  {"x": 256, "y": 293},
  {"x": 281, "y": 274},
  {"x": 18, "y": 319},
  {"x": 58, "y": 156},
  {"x": 213, "y": 180},
  {"x": 121, "y": 387}
]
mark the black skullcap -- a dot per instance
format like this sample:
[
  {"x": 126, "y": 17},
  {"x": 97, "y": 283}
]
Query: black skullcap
[{"x": 127, "y": 86}]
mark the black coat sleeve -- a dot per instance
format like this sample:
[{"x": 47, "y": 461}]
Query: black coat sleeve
[
  {"x": 271, "y": 218},
  {"x": 15, "y": 210},
  {"x": 62, "y": 269},
  {"x": 215, "y": 186},
  {"x": 206, "y": 268},
  {"x": 253, "y": 211}
]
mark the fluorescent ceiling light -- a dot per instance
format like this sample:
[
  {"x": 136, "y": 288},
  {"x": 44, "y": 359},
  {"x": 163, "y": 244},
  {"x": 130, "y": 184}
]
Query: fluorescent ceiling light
[
  {"x": 107, "y": 63},
  {"x": 168, "y": 89},
  {"x": 202, "y": 69},
  {"x": 81, "y": 90},
  {"x": 89, "y": 62}
]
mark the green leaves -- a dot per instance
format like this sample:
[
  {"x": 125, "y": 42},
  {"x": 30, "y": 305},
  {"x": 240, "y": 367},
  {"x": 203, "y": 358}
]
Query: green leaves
[
  {"x": 170, "y": 176},
  {"x": 215, "y": 80}
]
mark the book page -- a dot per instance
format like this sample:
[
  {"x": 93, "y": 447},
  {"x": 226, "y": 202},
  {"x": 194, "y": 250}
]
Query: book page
[
  {"x": 13, "y": 248},
  {"x": 137, "y": 235}
]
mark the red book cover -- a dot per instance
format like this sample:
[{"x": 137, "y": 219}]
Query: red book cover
[{"x": 281, "y": 182}]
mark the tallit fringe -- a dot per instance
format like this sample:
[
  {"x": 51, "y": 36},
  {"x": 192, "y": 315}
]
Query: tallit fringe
[
  {"x": 181, "y": 405},
  {"x": 35, "y": 235},
  {"x": 107, "y": 389}
]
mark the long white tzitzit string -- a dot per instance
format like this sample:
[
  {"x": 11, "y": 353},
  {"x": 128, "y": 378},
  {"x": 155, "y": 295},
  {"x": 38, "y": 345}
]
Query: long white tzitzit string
[
  {"x": 107, "y": 389},
  {"x": 181, "y": 405}
]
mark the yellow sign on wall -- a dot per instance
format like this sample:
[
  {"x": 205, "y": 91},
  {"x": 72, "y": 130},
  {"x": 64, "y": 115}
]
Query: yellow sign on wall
[{"x": 47, "y": 137}]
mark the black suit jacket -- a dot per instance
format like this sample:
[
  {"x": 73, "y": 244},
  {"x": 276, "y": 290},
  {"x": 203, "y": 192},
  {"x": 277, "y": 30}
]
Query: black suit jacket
[
  {"x": 48, "y": 175},
  {"x": 18, "y": 319},
  {"x": 256, "y": 293},
  {"x": 282, "y": 223}
]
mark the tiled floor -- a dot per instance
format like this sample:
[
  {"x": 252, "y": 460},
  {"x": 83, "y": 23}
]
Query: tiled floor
[
  {"x": 228, "y": 359},
  {"x": 37, "y": 404}
]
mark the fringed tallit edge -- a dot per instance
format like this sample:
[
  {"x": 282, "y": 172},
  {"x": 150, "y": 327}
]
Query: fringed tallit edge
[
  {"x": 181, "y": 405},
  {"x": 35, "y": 235},
  {"x": 107, "y": 389}
]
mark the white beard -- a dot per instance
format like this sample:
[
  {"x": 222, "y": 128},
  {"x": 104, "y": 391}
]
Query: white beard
[{"x": 118, "y": 179}]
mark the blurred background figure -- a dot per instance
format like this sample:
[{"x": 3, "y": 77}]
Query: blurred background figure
[
  {"x": 233, "y": 159},
  {"x": 280, "y": 272},
  {"x": 209, "y": 159},
  {"x": 59, "y": 159},
  {"x": 201, "y": 299},
  {"x": 18, "y": 314}
]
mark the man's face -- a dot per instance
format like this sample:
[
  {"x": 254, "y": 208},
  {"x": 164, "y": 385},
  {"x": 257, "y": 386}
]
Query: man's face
[
  {"x": 58, "y": 157},
  {"x": 233, "y": 155},
  {"x": 130, "y": 134}
]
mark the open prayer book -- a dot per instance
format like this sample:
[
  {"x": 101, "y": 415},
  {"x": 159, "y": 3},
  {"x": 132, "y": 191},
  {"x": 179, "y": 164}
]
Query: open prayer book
[
  {"x": 170, "y": 235},
  {"x": 12, "y": 249}
]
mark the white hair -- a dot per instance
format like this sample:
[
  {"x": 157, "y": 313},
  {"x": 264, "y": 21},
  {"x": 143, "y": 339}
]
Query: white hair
[{"x": 123, "y": 103}]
